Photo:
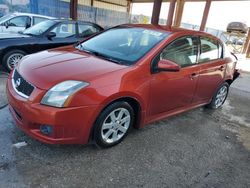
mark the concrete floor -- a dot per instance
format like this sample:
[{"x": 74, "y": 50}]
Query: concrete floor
[{"x": 199, "y": 148}]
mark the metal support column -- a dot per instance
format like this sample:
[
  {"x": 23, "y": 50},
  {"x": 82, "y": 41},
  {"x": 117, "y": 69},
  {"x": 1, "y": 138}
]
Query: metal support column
[
  {"x": 248, "y": 52},
  {"x": 205, "y": 15},
  {"x": 129, "y": 6},
  {"x": 171, "y": 12},
  {"x": 179, "y": 12},
  {"x": 247, "y": 42},
  {"x": 73, "y": 9},
  {"x": 156, "y": 12}
]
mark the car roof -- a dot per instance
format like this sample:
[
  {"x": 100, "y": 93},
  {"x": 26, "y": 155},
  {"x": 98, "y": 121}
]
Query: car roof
[
  {"x": 170, "y": 29},
  {"x": 75, "y": 21},
  {"x": 70, "y": 20},
  {"x": 30, "y": 14}
]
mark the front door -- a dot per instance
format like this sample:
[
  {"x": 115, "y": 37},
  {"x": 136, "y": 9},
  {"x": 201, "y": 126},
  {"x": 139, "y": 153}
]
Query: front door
[
  {"x": 172, "y": 90},
  {"x": 16, "y": 24},
  {"x": 65, "y": 35}
]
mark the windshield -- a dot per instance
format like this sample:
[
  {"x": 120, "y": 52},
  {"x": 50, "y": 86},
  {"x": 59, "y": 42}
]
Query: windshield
[
  {"x": 40, "y": 28},
  {"x": 123, "y": 45},
  {"x": 6, "y": 17}
]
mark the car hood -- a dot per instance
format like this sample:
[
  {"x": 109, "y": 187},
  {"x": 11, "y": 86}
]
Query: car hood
[
  {"x": 48, "y": 68},
  {"x": 12, "y": 36}
]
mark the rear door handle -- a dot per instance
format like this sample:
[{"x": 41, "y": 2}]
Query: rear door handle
[
  {"x": 193, "y": 75},
  {"x": 222, "y": 68}
]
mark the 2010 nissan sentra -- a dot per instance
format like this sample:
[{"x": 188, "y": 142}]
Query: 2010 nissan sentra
[{"x": 127, "y": 76}]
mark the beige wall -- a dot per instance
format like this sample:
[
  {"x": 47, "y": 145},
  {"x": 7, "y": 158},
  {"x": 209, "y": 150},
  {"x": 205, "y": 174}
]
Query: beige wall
[{"x": 108, "y": 4}]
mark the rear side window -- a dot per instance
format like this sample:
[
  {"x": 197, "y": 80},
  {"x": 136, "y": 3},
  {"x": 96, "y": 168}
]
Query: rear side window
[
  {"x": 65, "y": 30},
  {"x": 38, "y": 20},
  {"x": 209, "y": 50},
  {"x": 182, "y": 51},
  {"x": 86, "y": 30}
]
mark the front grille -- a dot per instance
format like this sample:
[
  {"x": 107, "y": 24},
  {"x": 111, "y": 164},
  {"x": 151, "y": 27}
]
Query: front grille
[{"x": 21, "y": 86}]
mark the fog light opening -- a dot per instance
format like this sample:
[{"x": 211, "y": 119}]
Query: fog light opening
[{"x": 46, "y": 129}]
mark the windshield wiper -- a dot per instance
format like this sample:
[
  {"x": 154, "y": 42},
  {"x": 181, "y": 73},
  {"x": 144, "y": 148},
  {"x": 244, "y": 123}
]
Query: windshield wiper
[
  {"x": 107, "y": 57},
  {"x": 30, "y": 34},
  {"x": 101, "y": 55}
]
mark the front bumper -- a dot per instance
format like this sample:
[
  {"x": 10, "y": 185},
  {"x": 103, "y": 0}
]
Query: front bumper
[{"x": 70, "y": 125}]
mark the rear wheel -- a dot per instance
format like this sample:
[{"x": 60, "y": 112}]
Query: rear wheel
[
  {"x": 11, "y": 58},
  {"x": 220, "y": 96},
  {"x": 113, "y": 124}
]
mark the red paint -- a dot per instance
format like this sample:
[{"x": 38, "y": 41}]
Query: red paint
[{"x": 159, "y": 95}]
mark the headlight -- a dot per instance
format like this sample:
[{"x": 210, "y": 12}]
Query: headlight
[{"x": 58, "y": 95}]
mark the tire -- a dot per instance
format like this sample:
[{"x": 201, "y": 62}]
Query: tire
[
  {"x": 219, "y": 97},
  {"x": 11, "y": 58},
  {"x": 3, "y": 96},
  {"x": 113, "y": 124}
]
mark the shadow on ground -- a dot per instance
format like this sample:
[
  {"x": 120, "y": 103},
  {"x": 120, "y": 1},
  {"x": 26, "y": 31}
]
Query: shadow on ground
[{"x": 200, "y": 148}]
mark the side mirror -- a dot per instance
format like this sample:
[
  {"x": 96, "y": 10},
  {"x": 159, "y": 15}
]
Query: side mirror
[
  {"x": 167, "y": 65},
  {"x": 6, "y": 24},
  {"x": 28, "y": 25},
  {"x": 51, "y": 35}
]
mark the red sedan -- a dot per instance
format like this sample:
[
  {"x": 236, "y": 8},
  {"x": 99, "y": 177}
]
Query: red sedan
[{"x": 127, "y": 76}]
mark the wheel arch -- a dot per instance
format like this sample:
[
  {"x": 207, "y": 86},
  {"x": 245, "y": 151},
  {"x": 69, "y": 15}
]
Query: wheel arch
[
  {"x": 229, "y": 81},
  {"x": 135, "y": 103},
  {"x": 6, "y": 51},
  {"x": 12, "y": 48},
  {"x": 134, "y": 100}
]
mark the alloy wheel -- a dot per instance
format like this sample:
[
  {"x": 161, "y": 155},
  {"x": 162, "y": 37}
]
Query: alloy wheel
[
  {"x": 221, "y": 96},
  {"x": 13, "y": 59},
  {"x": 115, "y": 125}
]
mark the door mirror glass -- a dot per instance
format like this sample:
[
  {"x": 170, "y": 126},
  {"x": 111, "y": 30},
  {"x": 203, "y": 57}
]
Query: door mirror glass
[
  {"x": 167, "y": 65},
  {"x": 51, "y": 35}
]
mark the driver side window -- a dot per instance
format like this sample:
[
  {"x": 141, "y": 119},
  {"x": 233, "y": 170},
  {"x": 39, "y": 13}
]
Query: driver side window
[
  {"x": 182, "y": 51},
  {"x": 20, "y": 21}
]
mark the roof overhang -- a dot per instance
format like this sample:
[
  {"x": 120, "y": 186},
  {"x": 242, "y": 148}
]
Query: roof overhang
[{"x": 151, "y": 1}]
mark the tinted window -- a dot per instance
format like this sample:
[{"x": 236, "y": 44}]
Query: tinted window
[
  {"x": 38, "y": 20},
  {"x": 40, "y": 28},
  {"x": 182, "y": 51},
  {"x": 20, "y": 21},
  {"x": 86, "y": 30},
  {"x": 6, "y": 17},
  {"x": 209, "y": 50},
  {"x": 123, "y": 44},
  {"x": 64, "y": 30}
]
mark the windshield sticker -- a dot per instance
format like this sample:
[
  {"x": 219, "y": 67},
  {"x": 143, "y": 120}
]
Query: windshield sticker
[{"x": 154, "y": 33}]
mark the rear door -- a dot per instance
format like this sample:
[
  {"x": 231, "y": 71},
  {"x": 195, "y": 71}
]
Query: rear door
[{"x": 212, "y": 68}]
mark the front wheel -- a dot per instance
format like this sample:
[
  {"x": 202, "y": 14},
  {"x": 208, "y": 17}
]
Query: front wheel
[
  {"x": 11, "y": 59},
  {"x": 220, "y": 96},
  {"x": 113, "y": 123}
]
